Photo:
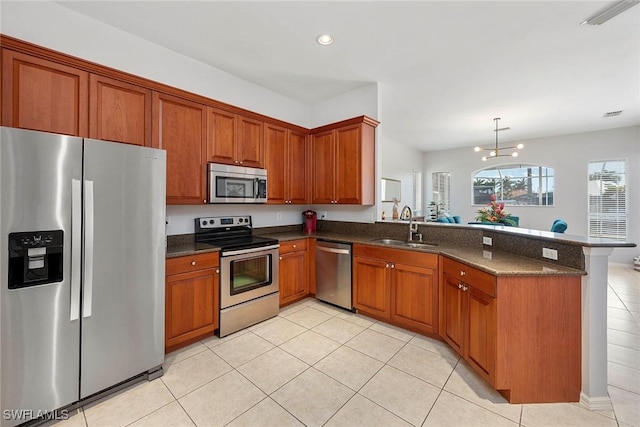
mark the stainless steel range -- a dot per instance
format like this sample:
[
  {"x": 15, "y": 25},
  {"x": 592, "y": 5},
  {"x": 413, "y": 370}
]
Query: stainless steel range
[{"x": 248, "y": 271}]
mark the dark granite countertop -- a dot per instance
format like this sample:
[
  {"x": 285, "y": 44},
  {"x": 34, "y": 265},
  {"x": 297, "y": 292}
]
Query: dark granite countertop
[{"x": 499, "y": 263}]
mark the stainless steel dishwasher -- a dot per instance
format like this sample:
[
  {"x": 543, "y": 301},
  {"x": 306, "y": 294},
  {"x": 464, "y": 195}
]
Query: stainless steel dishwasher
[{"x": 333, "y": 273}]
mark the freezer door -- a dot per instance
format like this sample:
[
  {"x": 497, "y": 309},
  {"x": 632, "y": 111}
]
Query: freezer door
[
  {"x": 124, "y": 252},
  {"x": 39, "y": 341}
]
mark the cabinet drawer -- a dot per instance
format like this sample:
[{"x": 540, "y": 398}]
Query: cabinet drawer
[
  {"x": 293, "y": 246},
  {"x": 480, "y": 280},
  {"x": 189, "y": 263},
  {"x": 407, "y": 257}
]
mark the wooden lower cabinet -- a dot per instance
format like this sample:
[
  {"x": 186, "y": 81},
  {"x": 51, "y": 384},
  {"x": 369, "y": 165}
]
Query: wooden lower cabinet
[
  {"x": 397, "y": 286},
  {"x": 294, "y": 271},
  {"x": 520, "y": 333},
  {"x": 191, "y": 299}
]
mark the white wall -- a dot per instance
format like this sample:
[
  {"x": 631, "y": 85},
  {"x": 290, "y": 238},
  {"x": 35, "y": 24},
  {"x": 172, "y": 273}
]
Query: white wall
[
  {"x": 56, "y": 27},
  {"x": 50, "y": 25},
  {"x": 399, "y": 161},
  {"x": 568, "y": 155}
]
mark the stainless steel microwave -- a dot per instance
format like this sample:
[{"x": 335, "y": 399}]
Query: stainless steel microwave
[{"x": 236, "y": 184}]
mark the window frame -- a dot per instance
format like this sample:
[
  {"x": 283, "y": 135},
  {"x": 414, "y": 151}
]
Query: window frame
[{"x": 543, "y": 196}]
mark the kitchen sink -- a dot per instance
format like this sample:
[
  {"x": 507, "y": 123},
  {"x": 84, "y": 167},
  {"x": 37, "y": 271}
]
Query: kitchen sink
[
  {"x": 389, "y": 241},
  {"x": 420, "y": 244},
  {"x": 403, "y": 243}
]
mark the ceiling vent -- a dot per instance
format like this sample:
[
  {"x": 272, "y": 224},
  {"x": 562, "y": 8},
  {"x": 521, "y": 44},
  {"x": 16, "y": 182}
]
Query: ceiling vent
[{"x": 612, "y": 114}]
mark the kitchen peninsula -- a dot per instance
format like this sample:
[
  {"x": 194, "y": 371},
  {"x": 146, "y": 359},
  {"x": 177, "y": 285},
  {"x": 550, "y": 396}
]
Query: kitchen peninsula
[{"x": 511, "y": 268}]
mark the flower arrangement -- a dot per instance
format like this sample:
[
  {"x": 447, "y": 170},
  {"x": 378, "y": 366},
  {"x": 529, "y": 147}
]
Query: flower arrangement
[{"x": 494, "y": 212}]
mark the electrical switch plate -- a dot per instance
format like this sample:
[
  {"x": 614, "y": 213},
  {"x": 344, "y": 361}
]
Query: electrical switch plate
[
  {"x": 550, "y": 253},
  {"x": 323, "y": 215},
  {"x": 487, "y": 241},
  {"x": 279, "y": 216}
]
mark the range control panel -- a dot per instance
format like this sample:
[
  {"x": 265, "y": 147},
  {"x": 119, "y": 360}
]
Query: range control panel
[{"x": 222, "y": 222}]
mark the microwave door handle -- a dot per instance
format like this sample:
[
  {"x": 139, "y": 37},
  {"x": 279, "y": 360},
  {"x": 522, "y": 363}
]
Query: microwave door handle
[{"x": 256, "y": 188}]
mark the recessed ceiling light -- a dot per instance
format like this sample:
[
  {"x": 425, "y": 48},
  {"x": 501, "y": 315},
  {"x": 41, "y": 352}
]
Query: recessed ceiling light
[{"x": 325, "y": 39}]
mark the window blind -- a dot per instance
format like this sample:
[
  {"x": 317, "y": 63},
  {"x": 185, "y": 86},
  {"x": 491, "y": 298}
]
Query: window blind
[{"x": 607, "y": 199}]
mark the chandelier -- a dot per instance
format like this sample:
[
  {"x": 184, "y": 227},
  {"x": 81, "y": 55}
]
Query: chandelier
[{"x": 495, "y": 151}]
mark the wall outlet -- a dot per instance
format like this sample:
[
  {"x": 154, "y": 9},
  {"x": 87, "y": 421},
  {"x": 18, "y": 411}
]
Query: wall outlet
[
  {"x": 487, "y": 241},
  {"x": 167, "y": 221},
  {"x": 279, "y": 216},
  {"x": 322, "y": 215},
  {"x": 550, "y": 253}
]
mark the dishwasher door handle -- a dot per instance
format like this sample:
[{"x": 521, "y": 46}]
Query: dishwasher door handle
[{"x": 333, "y": 251}]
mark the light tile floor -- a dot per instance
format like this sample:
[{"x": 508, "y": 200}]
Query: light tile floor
[{"x": 317, "y": 365}]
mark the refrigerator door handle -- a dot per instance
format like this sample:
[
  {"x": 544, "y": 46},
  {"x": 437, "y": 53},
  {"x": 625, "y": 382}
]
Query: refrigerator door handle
[
  {"x": 76, "y": 248},
  {"x": 88, "y": 249}
]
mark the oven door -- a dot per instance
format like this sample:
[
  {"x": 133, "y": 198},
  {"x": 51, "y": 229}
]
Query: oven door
[{"x": 247, "y": 274}]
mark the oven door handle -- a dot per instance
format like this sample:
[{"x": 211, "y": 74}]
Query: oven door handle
[{"x": 249, "y": 251}]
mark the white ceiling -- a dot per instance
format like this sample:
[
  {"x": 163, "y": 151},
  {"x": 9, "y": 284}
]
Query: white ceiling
[{"x": 445, "y": 68}]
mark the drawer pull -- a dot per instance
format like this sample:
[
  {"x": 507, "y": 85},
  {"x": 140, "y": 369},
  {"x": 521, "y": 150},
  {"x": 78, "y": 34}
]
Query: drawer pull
[
  {"x": 193, "y": 263},
  {"x": 463, "y": 273},
  {"x": 280, "y": 258},
  {"x": 217, "y": 271},
  {"x": 465, "y": 288},
  {"x": 295, "y": 246},
  {"x": 460, "y": 285}
]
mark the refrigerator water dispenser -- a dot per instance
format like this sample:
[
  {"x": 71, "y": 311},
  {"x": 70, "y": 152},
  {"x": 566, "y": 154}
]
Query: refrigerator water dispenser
[{"x": 35, "y": 258}]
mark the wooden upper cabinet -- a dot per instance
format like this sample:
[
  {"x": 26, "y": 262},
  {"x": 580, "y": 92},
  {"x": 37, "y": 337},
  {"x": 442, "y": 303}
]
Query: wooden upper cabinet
[
  {"x": 285, "y": 161},
  {"x": 323, "y": 158},
  {"x": 275, "y": 139},
  {"x": 43, "y": 95},
  {"x": 250, "y": 147},
  {"x": 221, "y": 140},
  {"x": 179, "y": 126},
  {"x": 298, "y": 176},
  {"x": 234, "y": 139},
  {"x": 119, "y": 111},
  {"x": 343, "y": 157}
]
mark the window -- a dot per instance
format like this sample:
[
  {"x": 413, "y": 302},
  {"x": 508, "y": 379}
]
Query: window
[
  {"x": 525, "y": 185},
  {"x": 607, "y": 199},
  {"x": 440, "y": 193},
  {"x": 417, "y": 193}
]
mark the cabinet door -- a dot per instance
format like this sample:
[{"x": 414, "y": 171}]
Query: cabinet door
[
  {"x": 276, "y": 163},
  {"x": 323, "y": 158},
  {"x": 454, "y": 313},
  {"x": 293, "y": 273},
  {"x": 481, "y": 340},
  {"x": 43, "y": 95},
  {"x": 414, "y": 297},
  {"x": 179, "y": 126},
  {"x": 222, "y": 137},
  {"x": 348, "y": 165},
  {"x": 190, "y": 306},
  {"x": 119, "y": 111},
  {"x": 371, "y": 281},
  {"x": 250, "y": 151},
  {"x": 297, "y": 168}
]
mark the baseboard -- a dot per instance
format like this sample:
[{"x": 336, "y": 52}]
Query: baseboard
[{"x": 597, "y": 403}]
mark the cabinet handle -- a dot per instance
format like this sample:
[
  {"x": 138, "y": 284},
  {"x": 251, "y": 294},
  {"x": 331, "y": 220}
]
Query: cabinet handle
[
  {"x": 386, "y": 266},
  {"x": 193, "y": 263},
  {"x": 280, "y": 258},
  {"x": 204, "y": 201},
  {"x": 460, "y": 285},
  {"x": 217, "y": 271},
  {"x": 295, "y": 246},
  {"x": 393, "y": 266},
  {"x": 465, "y": 288},
  {"x": 463, "y": 273}
]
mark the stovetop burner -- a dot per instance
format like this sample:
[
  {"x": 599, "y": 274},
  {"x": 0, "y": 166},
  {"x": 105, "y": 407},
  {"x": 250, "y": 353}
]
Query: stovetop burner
[{"x": 229, "y": 233}]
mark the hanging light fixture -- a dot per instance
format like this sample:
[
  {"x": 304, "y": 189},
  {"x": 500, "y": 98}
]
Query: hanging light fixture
[{"x": 495, "y": 152}]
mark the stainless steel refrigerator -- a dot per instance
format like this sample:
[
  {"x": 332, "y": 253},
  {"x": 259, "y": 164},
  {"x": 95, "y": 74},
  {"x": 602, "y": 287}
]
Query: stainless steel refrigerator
[{"x": 82, "y": 244}]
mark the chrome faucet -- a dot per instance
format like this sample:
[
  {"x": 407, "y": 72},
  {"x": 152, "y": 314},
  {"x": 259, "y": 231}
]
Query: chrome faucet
[{"x": 411, "y": 229}]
